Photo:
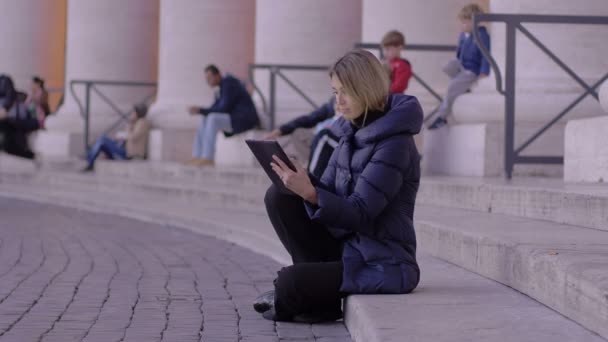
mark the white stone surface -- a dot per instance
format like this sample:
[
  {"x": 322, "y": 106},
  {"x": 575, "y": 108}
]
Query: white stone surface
[
  {"x": 33, "y": 36},
  {"x": 603, "y": 96},
  {"x": 194, "y": 34},
  {"x": 233, "y": 151},
  {"x": 477, "y": 149},
  {"x": 303, "y": 32},
  {"x": 171, "y": 144},
  {"x": 586, "y": 150}
]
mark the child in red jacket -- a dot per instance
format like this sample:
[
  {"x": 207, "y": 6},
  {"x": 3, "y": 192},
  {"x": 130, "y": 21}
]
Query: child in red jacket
[{"x": 401, "y": 69}]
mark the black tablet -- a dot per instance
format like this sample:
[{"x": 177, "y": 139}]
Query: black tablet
[{"x": 263, "y": 150}]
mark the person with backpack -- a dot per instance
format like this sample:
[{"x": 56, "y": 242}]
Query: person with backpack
[{"x": 16, "y": 121}]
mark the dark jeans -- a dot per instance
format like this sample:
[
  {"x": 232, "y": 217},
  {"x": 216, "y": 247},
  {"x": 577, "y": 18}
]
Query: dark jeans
[
  {"x": 312, "y": 284},
  {"x": 113, "y": 149}
]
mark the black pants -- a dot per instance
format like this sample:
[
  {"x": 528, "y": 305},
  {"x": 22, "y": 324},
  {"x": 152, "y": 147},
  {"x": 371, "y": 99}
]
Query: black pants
[
  {"x": 312, "y": 284},
  {"x": 13, "y": 140}
]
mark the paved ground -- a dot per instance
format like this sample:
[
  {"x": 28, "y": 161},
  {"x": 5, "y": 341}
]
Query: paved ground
[{"x": 69, "y": 275}]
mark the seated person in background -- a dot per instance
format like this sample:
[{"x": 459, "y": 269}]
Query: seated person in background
[
  {"x": 16, "y": 121},
  {"x": 467, "y": 68},
  {"x": 233, "y": 112},
  {"x": 134, "y": 147},
  {"x": 37, "y": 101},
  {"x": 393, "y": 43},
  {"x": 324, "y": 141}
]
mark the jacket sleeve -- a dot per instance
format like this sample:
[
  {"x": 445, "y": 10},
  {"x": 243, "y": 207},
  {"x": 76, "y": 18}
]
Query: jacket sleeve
[
  {"x": 401, "y": 78},
  {"x": 376, "y": 187},
  {"x": 459, "y": 48},
  {"x": 226, "y": 101},
  {"x": 321, "y": 114},
  {"x": 485, "y": 65}
]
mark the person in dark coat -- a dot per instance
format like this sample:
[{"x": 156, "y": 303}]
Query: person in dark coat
[
  {"x": 233, "y": 112},
  {"x": 351, "y": 231},
  {"x": 16, "y": 121}
]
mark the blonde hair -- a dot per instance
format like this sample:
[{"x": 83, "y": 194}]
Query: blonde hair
[
  {"x": 393, "y": 38},
  {"x": 363, "y": 78},
  {"x": 468, "y": 11}
]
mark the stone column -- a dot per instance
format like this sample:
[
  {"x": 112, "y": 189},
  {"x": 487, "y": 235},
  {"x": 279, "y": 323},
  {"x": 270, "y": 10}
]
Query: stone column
[
  {"x": 33, "y": 36},
  {"x": 112, "y": 40},
  {"x": 303, "y": 32},
  {"x": 473, "y": 144},
  {"x": 194, "y": 34},
  {"x": 411, "y": 17}
]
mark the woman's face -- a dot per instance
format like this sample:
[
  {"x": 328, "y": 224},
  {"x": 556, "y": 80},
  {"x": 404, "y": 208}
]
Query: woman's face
[{"x": 350, "y": 107}]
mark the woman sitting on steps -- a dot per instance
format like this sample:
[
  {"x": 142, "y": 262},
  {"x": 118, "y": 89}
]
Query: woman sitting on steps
[{"x": 351, "y": 231}]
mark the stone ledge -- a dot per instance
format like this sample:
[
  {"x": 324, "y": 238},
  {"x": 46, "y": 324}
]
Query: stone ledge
[{"x": 586, "y": 150}]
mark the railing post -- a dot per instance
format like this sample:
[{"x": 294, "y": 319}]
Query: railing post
[
  {"x": 87, "y": 109},
  {"x": 510, "y": 100},
  {"x": 272, "y": 104}
]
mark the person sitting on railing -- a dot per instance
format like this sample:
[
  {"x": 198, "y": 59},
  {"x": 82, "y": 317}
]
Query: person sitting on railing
[
  {"x": 16, "y": 121},
  {"x": 135, "y": 145},
  {"x": 467, "y": 68},
  {"x": 393, "y": 43},
  {"x": 233, "y": 112},
  {"x": 351, "y": 231}
]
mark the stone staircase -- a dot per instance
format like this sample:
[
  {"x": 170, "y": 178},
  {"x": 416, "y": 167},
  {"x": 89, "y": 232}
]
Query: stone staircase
[{"x": 541, "y": 237}]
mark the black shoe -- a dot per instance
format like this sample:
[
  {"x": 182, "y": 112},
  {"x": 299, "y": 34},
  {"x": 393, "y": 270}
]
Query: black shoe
[
  {"x": 313, "y": 318},
  {"x": 264, "y": 302},
  {"x": 438, "y": 123}
]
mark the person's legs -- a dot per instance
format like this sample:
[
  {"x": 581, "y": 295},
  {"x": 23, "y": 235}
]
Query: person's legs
[
  {"x": 108, "y": 146},
  {"x": 459, "y": 85},
  {"x": 197, "y": 147},
  {"x": 215, "y": 123},
  {"x": 305, "y": 240},
  {"x": 309, "y": 292}
]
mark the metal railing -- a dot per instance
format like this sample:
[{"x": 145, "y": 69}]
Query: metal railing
[
  {"x": 276, "y": 70},
  {"x": 91, "y": 86},
  {"x": 513, "y": 24},
  {"x": 417, "y": 77},
  {"x": 269, "y": 107}
]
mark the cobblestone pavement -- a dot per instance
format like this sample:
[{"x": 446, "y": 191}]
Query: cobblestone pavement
[{"x": 69, "y": 275}]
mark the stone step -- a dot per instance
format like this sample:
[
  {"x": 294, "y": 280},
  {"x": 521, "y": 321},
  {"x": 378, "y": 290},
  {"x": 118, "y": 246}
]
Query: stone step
[
  {"x": 176, "y": 171},
  {"x": 450, "y": 304},
  {"x": 564, "y": 267},
  {"x": 550, "y": 199},
  {"x": 584, "y": 205},
  {"x": 242, "y": 196}
]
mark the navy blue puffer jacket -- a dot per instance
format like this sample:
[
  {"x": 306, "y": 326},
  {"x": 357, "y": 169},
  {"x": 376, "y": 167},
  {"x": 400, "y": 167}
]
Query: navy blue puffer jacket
[{"x": 366, "y": 198}]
